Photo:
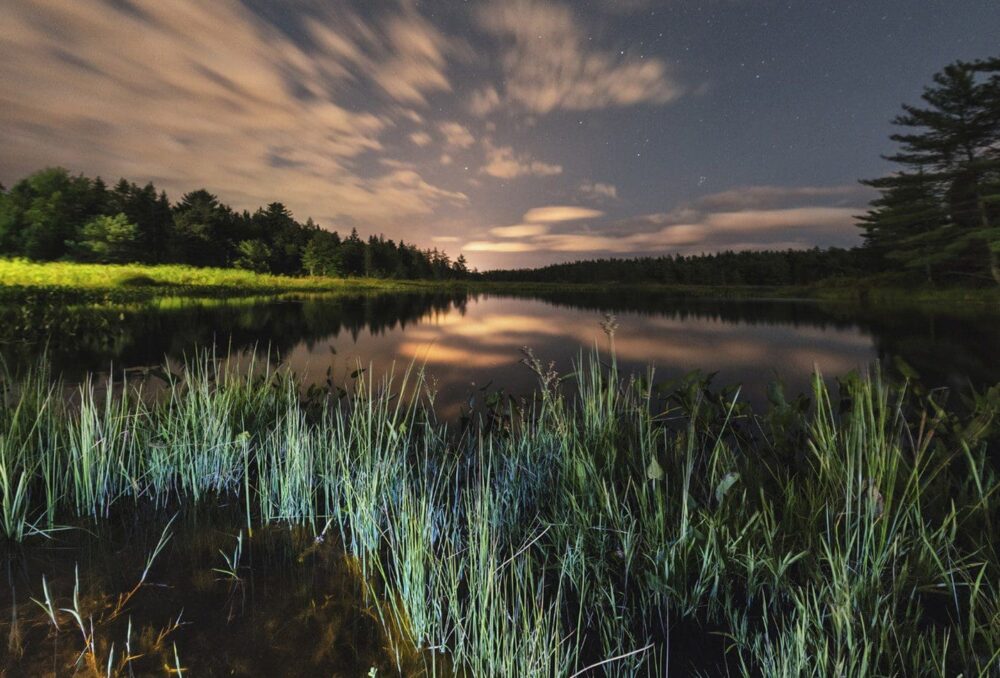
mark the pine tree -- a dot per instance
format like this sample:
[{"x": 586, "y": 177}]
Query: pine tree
[
  {"x": 905, "y": 223},
  {"x": 201, "y": 225},
  {"x": 352, "y": 255},
  {"x": 942, "y": 207}
]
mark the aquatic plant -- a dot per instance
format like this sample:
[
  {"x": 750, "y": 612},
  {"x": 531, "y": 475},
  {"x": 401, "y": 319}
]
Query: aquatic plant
[
  {"x": 848, "y": 532},
  {"x": 93, "y": 616}
]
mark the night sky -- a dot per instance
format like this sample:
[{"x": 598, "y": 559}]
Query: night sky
[{"x": 518, "y": 132}]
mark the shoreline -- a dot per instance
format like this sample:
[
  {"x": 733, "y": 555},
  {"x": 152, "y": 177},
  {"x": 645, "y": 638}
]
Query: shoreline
[{"x": 23, "y": 281}]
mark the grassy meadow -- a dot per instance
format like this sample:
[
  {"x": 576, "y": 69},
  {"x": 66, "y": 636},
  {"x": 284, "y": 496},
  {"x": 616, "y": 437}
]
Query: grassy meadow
[
  {"x": 601, "y": 527},
  {"x": 20, "y": 279}
]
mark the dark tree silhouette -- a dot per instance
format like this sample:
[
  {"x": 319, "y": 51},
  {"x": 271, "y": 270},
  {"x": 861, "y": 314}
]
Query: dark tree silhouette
[{"x": 940, "y": 213}]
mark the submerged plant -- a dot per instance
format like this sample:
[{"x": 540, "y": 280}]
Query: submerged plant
[{"x": 232, "y": 560}]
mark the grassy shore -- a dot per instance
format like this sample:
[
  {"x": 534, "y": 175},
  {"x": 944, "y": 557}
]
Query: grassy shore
[
  {"x": 20, "y": 278},
  {"x": 62, "y": 282},
  {"x": 848, "y": 533}
]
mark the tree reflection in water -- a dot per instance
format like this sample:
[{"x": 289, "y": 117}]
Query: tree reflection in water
[{"x": 470, "y": 342}]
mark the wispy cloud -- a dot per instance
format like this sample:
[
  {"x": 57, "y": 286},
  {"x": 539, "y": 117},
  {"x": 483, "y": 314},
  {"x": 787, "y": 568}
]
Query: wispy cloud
[
  {"x": 550, "y": 63},
  {"x": 484, "y": 101},
  {"x": 519, "y": 231},
  {"x": 599, "y": 191},
  {"x": 556, "y": 213},
  {"x": 792, "y": 227},
  {"x": 771, "y": 196},
  {"x": 417, "y": 63},
  {"x": 758, "y": 221},
  {"x": 456, "y": 135},
  {"x": 403, "y": 54},
  {"x": 503, "y": 163},
  {"x": 421, "y": 138}
]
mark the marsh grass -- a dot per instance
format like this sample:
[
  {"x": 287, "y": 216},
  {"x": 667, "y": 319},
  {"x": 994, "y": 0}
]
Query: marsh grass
[
  {"x": 136, "y": 279},
  {"x": 848, "y": 532}
]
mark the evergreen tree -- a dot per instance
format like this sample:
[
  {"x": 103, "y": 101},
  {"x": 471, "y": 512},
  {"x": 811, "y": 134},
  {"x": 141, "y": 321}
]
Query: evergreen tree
[
  {"x": 285, "y": 238},
  {"x": 108, "y": 240},
  {"x": 940, "y": 211},
  {"x": 906, "y": 223},
  {"x": 201, "y": 225},
  {"x": 322, "y": 254},
  {"x": 352, "y": 255}
]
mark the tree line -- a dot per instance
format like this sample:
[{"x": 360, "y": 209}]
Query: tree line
[
  {"x": 789, "y": 267},
  {"x": 53, "y": 215}
]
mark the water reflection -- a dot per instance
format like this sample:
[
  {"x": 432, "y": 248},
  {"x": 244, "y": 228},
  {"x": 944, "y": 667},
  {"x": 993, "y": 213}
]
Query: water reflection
[{"x": 472, "y": 342}]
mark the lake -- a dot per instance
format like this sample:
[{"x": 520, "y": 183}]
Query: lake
[{"x": 471, "y": 344}]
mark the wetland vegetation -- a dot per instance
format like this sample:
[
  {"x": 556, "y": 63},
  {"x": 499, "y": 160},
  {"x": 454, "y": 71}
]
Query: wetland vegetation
[{"x": 602, "y": 525}]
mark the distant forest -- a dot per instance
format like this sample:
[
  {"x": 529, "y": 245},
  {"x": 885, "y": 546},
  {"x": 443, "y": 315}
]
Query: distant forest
[
  {"x": 791, "y": 267},
  {"x": 936, "y": 220},
  {"x": 52, "y": 215}
]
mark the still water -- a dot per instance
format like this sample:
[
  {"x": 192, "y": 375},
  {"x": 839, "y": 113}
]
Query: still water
[
  {"x": 216, "y": 603},
  {"x": 471, "y": 345}
]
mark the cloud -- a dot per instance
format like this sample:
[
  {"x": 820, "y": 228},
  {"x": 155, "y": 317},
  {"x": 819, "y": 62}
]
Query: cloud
[
  {"x": 404, "y": 55},
  {"x": 519, "y": 231},
  {"x": 502, "y": 162},
  {"x": 418, "y": 63},
  {"x": 759, "y": 197},
  {"x": 753, "y": 220},
  {"x": 420, "y": 138},
  {"x": 555, "y": 213},
  {"x": 599, "y": 191},
  {"x": 484, "y": 101},
  {"x": 409, "y": 191},
  {"x": 535, "y": 230},
  {"x": 548, "y": 62},
  {"x": 192, "y": 94},
  {"x": 412, "y": 115},
  {"x": 790, "y": 228},
  {"x": 445, "y": 238},
  {"x": 456, "y": 135}
]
